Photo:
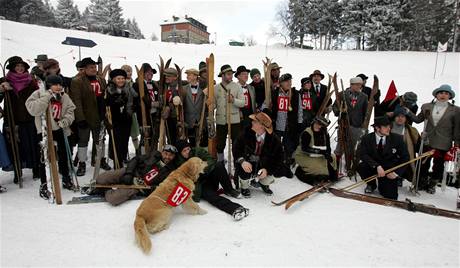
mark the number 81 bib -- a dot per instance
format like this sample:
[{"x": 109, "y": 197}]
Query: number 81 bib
[{"x": 179, "y": 195}]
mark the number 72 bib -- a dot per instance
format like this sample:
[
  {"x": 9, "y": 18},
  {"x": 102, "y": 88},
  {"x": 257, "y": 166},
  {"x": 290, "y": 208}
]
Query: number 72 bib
[{"x": 179, "y": 195}]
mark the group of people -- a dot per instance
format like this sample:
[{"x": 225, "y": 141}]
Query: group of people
[{"x": 276, "y": 135}]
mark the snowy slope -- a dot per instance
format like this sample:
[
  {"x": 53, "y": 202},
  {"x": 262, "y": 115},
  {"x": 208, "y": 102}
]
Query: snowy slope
[{"x": 322, "y": 231}]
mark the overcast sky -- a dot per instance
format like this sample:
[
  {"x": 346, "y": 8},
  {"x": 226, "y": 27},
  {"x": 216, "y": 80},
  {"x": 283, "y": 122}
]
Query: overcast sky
[{"x": 229, "y": 19}]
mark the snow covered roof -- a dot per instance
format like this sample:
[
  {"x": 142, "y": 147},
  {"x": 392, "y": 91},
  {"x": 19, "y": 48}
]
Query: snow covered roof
[
  {"x": 175, "y": 20},
  {"x": 186, "y": 19}
]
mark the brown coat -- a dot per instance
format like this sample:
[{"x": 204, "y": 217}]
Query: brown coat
[{"x": 87, "y": 106}]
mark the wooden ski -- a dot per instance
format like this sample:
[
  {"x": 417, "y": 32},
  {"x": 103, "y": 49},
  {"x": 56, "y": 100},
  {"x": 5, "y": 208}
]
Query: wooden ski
[
  {"x": 52, "y": 158},
  {"x": 267, "y": 82},
  {"x": 211, "y": 121},
  {"x": 145, "y": 127}
]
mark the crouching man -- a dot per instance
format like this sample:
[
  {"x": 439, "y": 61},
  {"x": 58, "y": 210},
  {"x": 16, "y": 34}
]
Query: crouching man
[
  {"x": 257, "y": 153},
  {"x": 145, "y": 170}
]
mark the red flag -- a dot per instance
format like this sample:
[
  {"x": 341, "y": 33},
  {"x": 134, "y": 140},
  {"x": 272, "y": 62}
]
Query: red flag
[{"x": 391, "y": 93}]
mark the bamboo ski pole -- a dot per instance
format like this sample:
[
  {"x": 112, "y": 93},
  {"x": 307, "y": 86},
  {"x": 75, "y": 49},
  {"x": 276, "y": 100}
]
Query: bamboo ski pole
[{"x": 373, "y": 177}]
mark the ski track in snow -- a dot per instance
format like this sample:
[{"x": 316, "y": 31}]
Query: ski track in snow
[{"x": 323, "y": 230}]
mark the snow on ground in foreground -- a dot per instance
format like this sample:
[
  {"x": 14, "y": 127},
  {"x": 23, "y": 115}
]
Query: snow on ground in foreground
[{"x": 322, "y": 231}]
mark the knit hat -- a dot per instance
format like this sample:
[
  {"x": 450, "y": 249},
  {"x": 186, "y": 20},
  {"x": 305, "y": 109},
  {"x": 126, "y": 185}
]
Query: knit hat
[
  {"x": 356, "y": 80},
  {"x": 445, "y": 88},
  {"x": 50, "y": 63},
  {"x": 87, "y": 61},
  {"x": 253, "y": 72},
  {"x": 181, "y": 144},
  {"x": 225, "y": 68},
  {"x": 147, "y": 67},
  {"x": 117, "y": 72},
  {"x": 241, "y": 69},
  {"x": 264, "y": 120},
  {"x": 305, "y": 80},
  {"x": 15, "y": 60},
  {"x": 170, "y": 72},
  {"x": 317, "y": 72},
  {"x": 285, "y": 77},
  {"x": 192, "y": 71},
  {"x": 170, "y": 148},
  {"x": 363, "y": 76},
  {"x": 53, "y": 80}
]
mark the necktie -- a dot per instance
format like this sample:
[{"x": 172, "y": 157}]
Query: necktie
[
  {"x": 317, "y": 90},
  {"x": 380, "y": 146}
]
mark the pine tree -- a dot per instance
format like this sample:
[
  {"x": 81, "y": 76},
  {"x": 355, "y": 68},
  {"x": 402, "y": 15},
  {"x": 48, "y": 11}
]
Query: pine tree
[
  {"x": 106, "y": 16},
  {"x": 33, "y": 12},
  {"x": 67, "y": 14}
]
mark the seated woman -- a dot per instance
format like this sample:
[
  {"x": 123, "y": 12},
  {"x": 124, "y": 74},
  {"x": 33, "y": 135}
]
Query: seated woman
[{"x": 313, "y": 155}]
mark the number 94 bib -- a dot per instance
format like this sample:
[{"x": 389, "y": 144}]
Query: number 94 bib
[{"x": 179, "y": 195}]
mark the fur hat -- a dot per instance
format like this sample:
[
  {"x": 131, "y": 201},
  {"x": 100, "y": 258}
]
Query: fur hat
[
  {"x": 87, "y": 61},
  {"x": 225, "y": 68},
  {"x": 241, "y": 69},
  {"x": 50, "y": 63},
  {"x": 253, "y": 72},
  {"x": 317, "y": 72},
  {"x": 117, "y": 72},
  {"x": 381, "y": 121},
  {"x": 53, "y": 80},
  {"x": 356, "y": 80},
  {"x": 15, "y": 60},
  {"x": 285, "y": 77},
  {"x": 444, "y": 88},
  {"x": 264, "y": 120}
]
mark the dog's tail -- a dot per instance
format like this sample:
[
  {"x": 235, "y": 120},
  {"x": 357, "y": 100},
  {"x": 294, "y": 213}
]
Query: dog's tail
[{"x": 142, "y": 235}]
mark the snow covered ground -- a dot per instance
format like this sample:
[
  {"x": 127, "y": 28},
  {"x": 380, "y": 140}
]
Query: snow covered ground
[{"x": 322, "y": 231}]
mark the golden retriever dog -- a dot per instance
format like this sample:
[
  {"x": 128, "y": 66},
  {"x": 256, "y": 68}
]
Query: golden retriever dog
[{"x": 154, "y": 213}]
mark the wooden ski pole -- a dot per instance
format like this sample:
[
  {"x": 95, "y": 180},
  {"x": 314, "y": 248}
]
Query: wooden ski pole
[
  {"x": 112, "y": 137},
  {"x": 373, "y": 177}
]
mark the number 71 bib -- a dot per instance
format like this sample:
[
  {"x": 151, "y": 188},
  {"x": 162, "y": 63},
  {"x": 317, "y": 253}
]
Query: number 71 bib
[{"x": 179, "y": 195}]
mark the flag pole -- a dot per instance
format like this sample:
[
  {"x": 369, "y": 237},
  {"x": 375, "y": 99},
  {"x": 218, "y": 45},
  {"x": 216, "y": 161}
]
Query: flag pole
[{"x": 435, "y": 65}]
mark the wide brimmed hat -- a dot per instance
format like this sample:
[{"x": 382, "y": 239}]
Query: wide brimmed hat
[
  {"x": 446, "y": 88},
  {"x": 147, "y": 67},
  {"x": 317, "y": 72},
  {"x": 224, "y": 69},
  {"x": 15, "y": 60},
  {"x": 241, "y": 69},
  {"x": 322, "y": 120},
  {"x": 41, "y": 57},
  {"x": 192, "y": 71},
  {"x": 264, "y": 120},
  {"x": 381, "y": 121},
  {"x": 275, "y": 66},
  {"x": 118, "y": 72}
]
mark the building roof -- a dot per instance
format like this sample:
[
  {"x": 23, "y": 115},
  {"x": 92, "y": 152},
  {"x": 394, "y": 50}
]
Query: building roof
[{"x": 186, "y": 19}]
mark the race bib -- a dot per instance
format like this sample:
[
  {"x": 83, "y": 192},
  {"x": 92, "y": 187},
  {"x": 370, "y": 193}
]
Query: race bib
[
  {"x": 179, "y": 195},
  {"x": 169, "y": 95},
  {"x": 56, "y": 110},
  {"x": 306, "y": 102},
  {"x": 96, "y": 88},
  {"x": 151, "y": 175},
  {"x": 283, "y": 103}
]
